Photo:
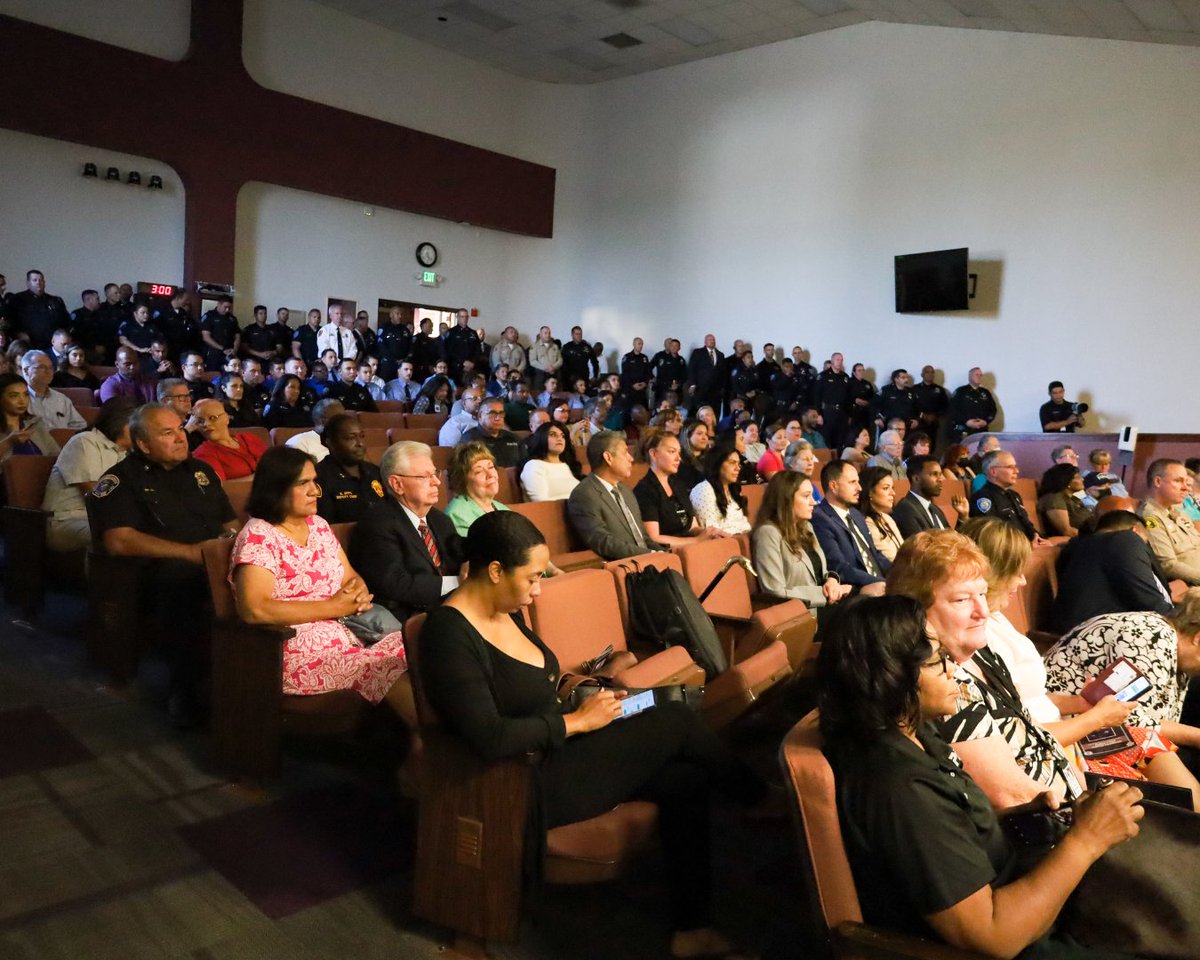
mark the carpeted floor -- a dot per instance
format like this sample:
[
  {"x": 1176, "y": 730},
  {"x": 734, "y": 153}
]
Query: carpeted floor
[{"x": 120, "y": 840}]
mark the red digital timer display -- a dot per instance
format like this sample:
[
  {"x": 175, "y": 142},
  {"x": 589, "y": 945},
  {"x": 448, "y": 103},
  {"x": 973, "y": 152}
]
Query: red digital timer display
[{"x": 161, "y": 290}]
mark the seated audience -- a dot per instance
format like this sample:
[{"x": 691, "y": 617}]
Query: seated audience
[
  {"x": 694, "y": 445},
  {"x": 1012, "y": 758},
  {"x": 403, "y": 386},
  {"x": 771, "y": 462},
  {"x": 747, "y": 469},
  {"x": 876, "y": 498},
  {"x": 925, "y": 847},
  {"x": 549, "y": 389},
  {"x": 504, "y": 444},
  {"x": 707, "y": 416},
  {"x": 842, "y": 529},
  {"x": 231, "y": 455},
  {"x": 956, "y": 464},
  {"x": 985, "y": 446},
  {"x": 84, "y": 459},
  {"x": 811, "y": 423},
  {"x": 405, "y": 548},
  {"x": 551, "y": 472},
  {"x": 46, "y": 403},
  {"x": 916, "y": 444},
  {"x": 310, "y": 441},
  {"x": 891, "y": 446},
  {"x": 1191, "y": 509},
  {"x": 435, "y": 396},
  {"x": 1100, "y": 465},
  {"x": 466, "y": 418},
  {"x": 345, "y": 387},
  {"x": 160, "y": 503},
  {"x": 1153, "y": 757},
  {"x": 1062, "y": 513},
  {"x": 754, "y": 448},
  {"x": 667, "y": 514},
  {"x": 916, "y": 510},
  {"x": 474, "y": 479},
  {"x": 578, "y": 399},
  {"x": 191, "y": 368},
  {"x": 1112, "y": 571},
  {"x": 176, "y": 395},
  {"x": 594, "y": 414},
  {"x": 74, "y": 370},
  {"x": 20, "y": 431},
  {"x": 288, "y": 570},
  {"x": 800, "y": 458},
  {"x": 718, "y": 499},
  {"x": 230, "y": 389},
  {"x": 348, "y": 483},
  {"x": 1165, "y": 648},
  {"x": 560, "y": 413},
  {"x": 1173, "y": 537},
  {"x": 996, "y": 497},
  {"x": 602, "y": 510},
  {"x": 492, "y": 682},
  {"x": 286, "y": 407},
  {"x": 517, "y": 409},
  {"x": 128, "y": 380},
  {"x": 790, "y": 562},
  {"x": 859, "y": 454}
]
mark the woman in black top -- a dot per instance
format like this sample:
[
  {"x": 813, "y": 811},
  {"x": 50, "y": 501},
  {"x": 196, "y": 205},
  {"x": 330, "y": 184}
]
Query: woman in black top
[
  {"x": 284, "y": 410},
  {"x": 694, "y": 445},
  {"x": 231, "y": 391},
  {"x": 73, "y": 371},
  {"x": 493, "y": 682},
  {"x": 666, "y": 510},
  {"x": 925, "y": 846}
]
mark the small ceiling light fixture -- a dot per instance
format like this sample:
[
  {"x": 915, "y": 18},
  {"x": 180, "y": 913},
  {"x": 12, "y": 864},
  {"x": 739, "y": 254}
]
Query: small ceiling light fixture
[
  {"x": 135, "y": 178},
  {"x": 89, "y": 170},
  {"x": 155, "y": 183},
  {"x": 112, "y": 174}
]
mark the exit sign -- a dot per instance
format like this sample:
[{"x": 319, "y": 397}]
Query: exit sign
[{"x": 429, "y": 278}]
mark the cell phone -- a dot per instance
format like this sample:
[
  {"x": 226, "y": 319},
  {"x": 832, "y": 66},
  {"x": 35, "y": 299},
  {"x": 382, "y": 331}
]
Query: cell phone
[
  {"x": 1134, "y": 690},
  {"x": 637, "y": 703}
]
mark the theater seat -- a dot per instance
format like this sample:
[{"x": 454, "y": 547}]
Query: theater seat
[
  {"x": 753, "y": 492},
  {"x": 281, "y": 435},
  {"x": 250, "y": 712},
  {"x": 424, "y": 421},
  {"x": 62, "y": 434},
  {"x": 550, "y": 517},
  {"x": 24, "y": 525},
  {"x": 510, "y": 486},
  {"x": 832, "y": 910},
  {"x": 380, "y": 421},
  {"x": 1031, "y": 610},
  {"x": 1026, "y": 489},
  {"x": 564, "y": 601},
  {"x": 238, "y": 492},
  {"x": 471, "y": 832},
  {"x": 79, "y": 396},
  {"x": 423, "y": 435}
]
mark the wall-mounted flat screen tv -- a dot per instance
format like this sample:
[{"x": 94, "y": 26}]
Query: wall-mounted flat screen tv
[{"x": 931, "y": 281}]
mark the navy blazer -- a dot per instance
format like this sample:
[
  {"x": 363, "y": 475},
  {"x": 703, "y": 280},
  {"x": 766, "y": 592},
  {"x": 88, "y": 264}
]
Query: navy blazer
[{"x": 840, "y": 548}]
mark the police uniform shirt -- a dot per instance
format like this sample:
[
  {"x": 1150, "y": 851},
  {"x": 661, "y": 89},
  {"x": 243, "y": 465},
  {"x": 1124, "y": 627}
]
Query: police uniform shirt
[
  {"x": 669, "y": 369},
  {"x": 635, "y": 368},
  {"x": 462, "y": 343},
  {"x": 931, "y": 398},
  {"x": 306, "y": 336},
  {"x": 1051, "y": 411},
  {"x": 344, "y": 499},
  {"x": 993, "y": 501},
  {"x": 833, "y": 390},
  {"x": 862, "y": 390},
  {"x": 578, "y": 362},
  {"x": 426, "y": 351},
  {"x": 973, "y": 403},
  {"x": 200, "y": 390},
  {"x": 179, "y": 328},
  {"x": 37, "y": 316},
  {"x": 895, "y": 403},
  {"x": 141, "y": 335},
  {"x": 85, "y": 327},
  {"x": 261, "y": 339},
  {"x": 1173, "y": 540},
  {"x": 354, "y": 396},
  {"x": 185, "y": 504},
  {"x": 221, "y": 328}
]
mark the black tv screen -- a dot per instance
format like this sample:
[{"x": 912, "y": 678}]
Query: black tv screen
[{"x": 931, "y": 281}]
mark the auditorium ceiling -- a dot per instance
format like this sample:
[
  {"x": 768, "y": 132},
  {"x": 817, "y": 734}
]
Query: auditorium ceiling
[{"x": 587, "y": 41}]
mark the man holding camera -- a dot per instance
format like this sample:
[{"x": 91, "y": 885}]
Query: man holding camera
[{"x": 1057, "y": 415}]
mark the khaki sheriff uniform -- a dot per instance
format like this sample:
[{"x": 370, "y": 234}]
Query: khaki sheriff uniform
[{"x": 1174, "y": 540}]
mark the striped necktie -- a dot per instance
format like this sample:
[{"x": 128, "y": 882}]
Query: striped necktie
[{"x": 427, "y": 537}]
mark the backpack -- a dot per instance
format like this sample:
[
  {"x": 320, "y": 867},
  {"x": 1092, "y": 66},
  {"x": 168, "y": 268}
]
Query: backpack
[{"x": 664, "y": 611}]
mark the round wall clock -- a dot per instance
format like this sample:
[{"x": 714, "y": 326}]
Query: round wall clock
[{"x": 427, "y": 254}]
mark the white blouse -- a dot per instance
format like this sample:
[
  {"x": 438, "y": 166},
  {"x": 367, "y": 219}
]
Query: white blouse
[
  {"x": 1026, "y": 666},
  {"x": 542, "y": 480},
  {"x": 704, "y": 502}
]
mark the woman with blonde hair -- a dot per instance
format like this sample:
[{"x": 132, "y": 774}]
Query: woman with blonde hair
[
  {"x": 1153, "y": 758},
  {"x": 787, "y": 555}
]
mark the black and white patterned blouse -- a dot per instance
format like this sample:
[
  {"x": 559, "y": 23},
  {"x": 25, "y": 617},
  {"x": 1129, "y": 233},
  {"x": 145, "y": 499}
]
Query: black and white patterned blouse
[
  {"x": 1145, "y": 639},
  {"x": 989, "y": 705}
]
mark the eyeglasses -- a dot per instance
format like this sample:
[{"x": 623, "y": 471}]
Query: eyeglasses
[
  {"x": 427, "y": 477},
  {"x": 942, "y": 659},
  {"x": 215, "y": 418}
]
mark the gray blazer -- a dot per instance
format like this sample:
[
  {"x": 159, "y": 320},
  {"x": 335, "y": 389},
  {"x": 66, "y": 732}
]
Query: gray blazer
[
  {"x": 600, "y": 523},
  {"x": 782, "y": 573}
]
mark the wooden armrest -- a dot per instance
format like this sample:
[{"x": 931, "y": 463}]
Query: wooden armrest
[
  {"x": 247, "y": 693},
  {"x": 114, "y": 628},
  {"x": 857, "y": 941},
  {"x": 24, "y": 573}
]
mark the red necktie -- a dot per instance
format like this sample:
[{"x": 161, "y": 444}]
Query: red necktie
[{"x": 427, "y": 537}]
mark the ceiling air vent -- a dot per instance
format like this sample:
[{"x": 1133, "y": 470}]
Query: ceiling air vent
[{"x": 622, "y": 41}]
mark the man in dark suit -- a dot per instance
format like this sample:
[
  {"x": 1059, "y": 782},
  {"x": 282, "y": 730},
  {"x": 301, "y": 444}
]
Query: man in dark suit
[
  {"x": 405, "y": 549},
  {"x": 917, "y": 511},
  {"x": 704, "y": 383},
  {"x": 842, "y": 530},
  {"x": 602, "y": 509},
  {"x": 1112, "y": 571}
]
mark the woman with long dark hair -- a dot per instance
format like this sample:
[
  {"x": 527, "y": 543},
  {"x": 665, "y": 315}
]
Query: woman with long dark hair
[
  {"x": 552, "y": 470},
  {"x": 718, "y": 499},
  {"x": 787, "y": 555},
  {"x": 284, "y": 408}
]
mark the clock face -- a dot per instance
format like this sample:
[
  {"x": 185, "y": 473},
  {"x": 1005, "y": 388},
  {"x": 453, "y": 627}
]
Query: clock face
[{"x": 427, "y": 254}]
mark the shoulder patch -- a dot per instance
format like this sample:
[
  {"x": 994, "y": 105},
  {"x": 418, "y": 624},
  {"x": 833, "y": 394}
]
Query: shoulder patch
[
  {"x": 377, "y": 487},
  {"x": 202, "y": 480},
  {"x": 106, "y": 485},
  {"x": 1151, "y": 522},
  {"x": 984, "y": 504}
]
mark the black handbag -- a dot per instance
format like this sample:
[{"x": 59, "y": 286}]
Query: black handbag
[{"x": 373, "y": 624}]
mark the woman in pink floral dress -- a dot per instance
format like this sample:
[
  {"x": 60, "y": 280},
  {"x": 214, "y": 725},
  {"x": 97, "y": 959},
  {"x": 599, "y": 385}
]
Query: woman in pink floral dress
[{"x": 288, "y": 569}]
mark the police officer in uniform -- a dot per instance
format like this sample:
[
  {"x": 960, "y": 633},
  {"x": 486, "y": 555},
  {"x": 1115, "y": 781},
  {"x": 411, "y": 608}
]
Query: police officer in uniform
[
  {"x": 635, "y": 374},
  {"x": 221, "y": 334},
  {"x": 461, "y": 343},
  {"x": 898, "y": 402},
  {"x": 669, "y": 370},
  {"x": 1056, "y": 414},
  {"x": 178, "y": 325},
  {"x": 258, "y": 339},
  {"x": 350, "y": 484},
  {"x": 806, "y": 376},
  {"x": 86, "y": 322},
  {"x": 1173, "y": 537},
  {"x": 346, "y": 388},
  {"x": 864, "y": 401},
  {"x": 395, "y": 343},
  {"x": 932, "y": 402},
  {"x": 579, "y": 362},
  {"x": 972, "y": 408},
  {"x": 304, "y": 339},
  {"x": 161, "y": 504},
  {"x": 832, "y": 398},
  {"x": 996, "y": 497},
  {"x": 35, "y": 314}
]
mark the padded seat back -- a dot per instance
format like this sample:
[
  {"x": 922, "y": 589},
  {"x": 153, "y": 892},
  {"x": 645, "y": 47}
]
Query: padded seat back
[
  {"x": 510, "y": 486},
  {"x": 90, "y": 415},
  {"x": 380, "y": 421},
  {"x": 62, "y": 434},
  {"x": 638, "y": 471},
  {"x": 424, "y": 421},
  {"x": 441, "y": 457},
  {"x": 25, "y": 478},
  {"x": 1026, "y": 489},
  {"x": 946, "y": 502},
  {"x": 79, "y": 396},
  {"x": 556, "y": 616},
  {"x": 1031, "y": 609},
  {"x": 809, "y": 780},
  {"x": 423, "y": 435},
  {"x": 391, "y": 406},
  {"x": 550, "y": 517},
  {"x": 281, "y": 435},
  {"x": 753, "y": 492},
  {"x": 901, "y": 487},
  {"x": 702, "y": 561},
  {"x": 261, "y": 432},
  {"x": 216, "y": 567},
  {"x": 342, "y": 531},
  {"x": 238, "y": 492}
]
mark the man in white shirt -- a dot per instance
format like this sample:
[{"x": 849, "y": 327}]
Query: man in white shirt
[
  {"x": 459, "y": 423},
  {"x": 310, "y": 441},
  {"x": 51, "y": 406},
  {"x": 338, "y": 335}
]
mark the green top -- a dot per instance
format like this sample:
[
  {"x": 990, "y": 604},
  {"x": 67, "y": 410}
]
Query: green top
[{"x": 464, "y": 511}]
